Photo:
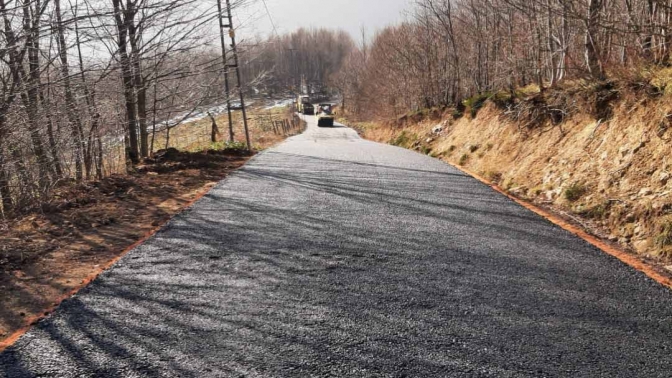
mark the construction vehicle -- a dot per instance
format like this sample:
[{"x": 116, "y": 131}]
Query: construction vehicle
[
  {"x": 325, "y": 115},
  {"x": 308, "y": 109},
  {"x": 304, "y": 106}
]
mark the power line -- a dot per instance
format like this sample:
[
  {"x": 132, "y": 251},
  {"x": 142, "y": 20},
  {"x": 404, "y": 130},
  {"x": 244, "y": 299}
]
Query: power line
[{"x": 275, "y": 30}]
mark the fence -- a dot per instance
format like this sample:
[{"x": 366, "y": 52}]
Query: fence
[{"x": 287, "y": 126}]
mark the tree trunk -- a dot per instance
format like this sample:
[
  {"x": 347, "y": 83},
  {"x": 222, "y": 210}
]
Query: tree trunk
[
  {"x": 53, "y": 148},
  {"x": 551, "y": 44},
  {"x": 214, "y": 132},
  {"x": 129, "y": 88},
  {"x": 5, "y": 192},
  {"x": 138, "y": 80},
  {"x": 90, "y": 97},
  {"x": 30, "y": 92},
  {"x": 70, "y": 103},
  {"x": 592, "y": 27}
]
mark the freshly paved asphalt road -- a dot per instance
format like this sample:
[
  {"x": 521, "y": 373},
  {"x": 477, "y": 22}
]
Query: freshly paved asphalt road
[{"x": 331, "y": 256}]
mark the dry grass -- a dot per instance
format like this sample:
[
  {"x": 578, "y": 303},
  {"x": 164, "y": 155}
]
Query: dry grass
[{"x": 195, "y": 136}]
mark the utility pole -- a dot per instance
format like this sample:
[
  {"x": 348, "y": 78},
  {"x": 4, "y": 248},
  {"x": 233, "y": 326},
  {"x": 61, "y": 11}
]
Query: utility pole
[
  {"x": 234, "y": 50},
  {"x": 294, "y": 68},
  {"x": 226, "y": 68}
]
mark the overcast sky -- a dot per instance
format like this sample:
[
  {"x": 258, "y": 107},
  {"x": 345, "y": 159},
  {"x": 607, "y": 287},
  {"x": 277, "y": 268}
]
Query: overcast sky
[{"x": 349, "y": 15}]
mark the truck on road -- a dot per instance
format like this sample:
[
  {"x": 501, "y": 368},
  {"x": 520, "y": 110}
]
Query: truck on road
[
  {"x": 325, "y": 115},
  {"x": 304, "y": 106}
]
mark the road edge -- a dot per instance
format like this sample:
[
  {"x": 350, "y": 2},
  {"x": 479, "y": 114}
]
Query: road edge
[
  {"x": 625, "y": 257},
  {"x": 30, "y": 322}
]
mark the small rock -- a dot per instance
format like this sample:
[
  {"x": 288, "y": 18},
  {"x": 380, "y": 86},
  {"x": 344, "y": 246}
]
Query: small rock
[
  {"x": 645, "y": 192},
  {"x": 437, "y": 129},
  {"x": 429, "y": 140},
  {"x": 640, "y": 245},
  {"x": 624, "y": 151},
  {"x": 629, "y": 218},
  {"x": 664, "y": 178}
]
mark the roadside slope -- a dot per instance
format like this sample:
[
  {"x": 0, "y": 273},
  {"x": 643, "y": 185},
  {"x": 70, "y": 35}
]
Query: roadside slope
[{"x": 612, "y": 176}]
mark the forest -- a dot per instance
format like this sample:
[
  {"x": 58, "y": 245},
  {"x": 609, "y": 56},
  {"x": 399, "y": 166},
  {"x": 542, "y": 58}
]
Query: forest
[
  {"x": 450, "y": 50},
  {"x": 86, "y": 85}
]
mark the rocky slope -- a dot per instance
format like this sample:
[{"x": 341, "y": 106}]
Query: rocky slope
[{"x": 610, "y": 169}]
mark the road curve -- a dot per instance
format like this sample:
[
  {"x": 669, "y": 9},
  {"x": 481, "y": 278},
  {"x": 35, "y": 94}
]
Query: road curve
[{"x": 332, "y": 256}]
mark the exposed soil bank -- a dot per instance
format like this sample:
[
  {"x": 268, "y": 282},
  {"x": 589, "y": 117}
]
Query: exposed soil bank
[
  {"x": 611, "y": 176},
  {"x": 47, "y": 255}
]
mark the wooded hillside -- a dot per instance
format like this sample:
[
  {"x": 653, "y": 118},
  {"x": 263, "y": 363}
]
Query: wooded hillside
[
  {"x": 451, "y": 50},
  {"x": 86, "y": 85}
]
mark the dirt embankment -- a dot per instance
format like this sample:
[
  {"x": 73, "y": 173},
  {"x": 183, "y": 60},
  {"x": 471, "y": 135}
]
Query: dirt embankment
[
  {"x": 48, "y": 254},
  {"x": 51, "y": 251},
  {"x": 609, "y": 169}
]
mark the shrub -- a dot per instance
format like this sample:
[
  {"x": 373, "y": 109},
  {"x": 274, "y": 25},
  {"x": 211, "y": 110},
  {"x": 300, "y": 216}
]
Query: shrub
[
  {"x": 458, "y": 111},
  {"x": 228, "y": 146},
  {"x": 534, "y": 192},
  {"x": 475, "y": 103},
  {"x": 575, "y": 191},
  {"x": 401, "y": 140},
  {"x": 597, "y": 212},
  {"x": 426, "y": 150},
  {"x": 493, "y": 177},
  {"x": 664, "y": 237},
  {"x": 463, "y": 159}
]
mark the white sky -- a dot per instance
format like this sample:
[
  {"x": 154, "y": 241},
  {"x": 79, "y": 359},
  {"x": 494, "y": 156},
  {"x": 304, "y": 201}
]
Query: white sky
[{"x": 349, "y": 15}]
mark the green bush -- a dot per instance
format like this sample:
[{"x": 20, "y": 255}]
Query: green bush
[
  {"x": 401, "y": 140},
  {"x": 664, "y": 237},
  {"x": 597, "y": 212},
  {"x": 463, "y": 159},
  {"x": 426, "y": 150},
  {"x": 575, "y": 191},
  {"x": 475, "y": 103}
]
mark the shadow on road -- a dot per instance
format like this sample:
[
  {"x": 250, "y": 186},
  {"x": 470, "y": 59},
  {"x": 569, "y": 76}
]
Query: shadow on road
[{"x": 308, "y": 266}]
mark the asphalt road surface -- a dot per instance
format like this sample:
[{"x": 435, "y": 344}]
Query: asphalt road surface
[{"x": 331, "y": 256}]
